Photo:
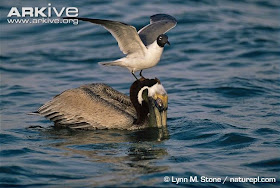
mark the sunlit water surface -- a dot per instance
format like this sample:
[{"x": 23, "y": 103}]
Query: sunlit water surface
[{"x": 221, "y": 73}]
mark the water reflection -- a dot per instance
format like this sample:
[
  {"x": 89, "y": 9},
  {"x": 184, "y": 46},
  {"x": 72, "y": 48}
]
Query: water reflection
[{"x": 128, "y": 151}]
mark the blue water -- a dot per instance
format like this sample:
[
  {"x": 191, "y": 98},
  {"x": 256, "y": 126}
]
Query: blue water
[{"x": 221, "y": 73}]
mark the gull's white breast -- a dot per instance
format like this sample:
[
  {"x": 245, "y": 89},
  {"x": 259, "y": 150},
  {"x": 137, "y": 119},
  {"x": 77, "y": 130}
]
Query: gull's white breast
[{"x": 152, "y": 55}]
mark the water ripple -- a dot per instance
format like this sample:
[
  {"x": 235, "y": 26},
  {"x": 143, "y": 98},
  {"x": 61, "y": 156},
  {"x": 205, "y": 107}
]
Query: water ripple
[{"x": 221, "y": 74}]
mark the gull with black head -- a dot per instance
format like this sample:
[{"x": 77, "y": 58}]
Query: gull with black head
[{"x": 144, "y": 48}]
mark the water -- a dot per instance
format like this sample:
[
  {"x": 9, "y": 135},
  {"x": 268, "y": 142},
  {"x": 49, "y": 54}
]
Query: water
[{"x": 221, "y": 73}]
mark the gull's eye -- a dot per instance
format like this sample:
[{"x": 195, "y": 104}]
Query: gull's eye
[{"x": 160, "y": 38}]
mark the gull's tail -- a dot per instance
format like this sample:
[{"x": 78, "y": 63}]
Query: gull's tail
[{"x": 112, "y": 63}]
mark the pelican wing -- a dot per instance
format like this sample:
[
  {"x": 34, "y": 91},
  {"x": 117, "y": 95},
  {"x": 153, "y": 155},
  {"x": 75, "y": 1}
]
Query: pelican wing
[
  {"x": 159, "y": 24},
  {"x": 90, "y": 106},
  {"x": 126, "y": 35}
]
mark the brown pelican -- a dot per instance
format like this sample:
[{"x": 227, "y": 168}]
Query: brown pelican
[{"x": 98, "y": 106}]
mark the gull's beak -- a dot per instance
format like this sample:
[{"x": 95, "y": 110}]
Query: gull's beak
[
  {"x": 158, "y": 105},
  {"x": 168, "y": 43}
]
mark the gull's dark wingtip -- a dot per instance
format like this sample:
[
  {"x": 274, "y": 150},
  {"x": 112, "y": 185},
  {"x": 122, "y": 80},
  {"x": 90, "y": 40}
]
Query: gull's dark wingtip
[
  {"x": 73, "y": 18},
  {"x": 97, "y": 21},
  {"x": 70, "y": 18},
  {"x": 83, "y": 19},
  {"x": 159, "y": 17}
]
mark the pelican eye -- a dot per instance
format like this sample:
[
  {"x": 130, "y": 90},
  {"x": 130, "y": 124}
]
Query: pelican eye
[{"x": 159, "y": 104}]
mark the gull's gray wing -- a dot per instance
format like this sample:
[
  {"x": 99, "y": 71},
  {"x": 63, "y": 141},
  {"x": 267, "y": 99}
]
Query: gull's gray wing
[
  {"x": 159, "y": 24},
  {"x": 90, "y": 106},
  {"x": 126, "y": 35}
]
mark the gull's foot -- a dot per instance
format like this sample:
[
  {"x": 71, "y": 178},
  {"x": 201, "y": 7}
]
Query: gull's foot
[
  {"x": 141, "y": 74},
  {"x": 134, "y": 75}
]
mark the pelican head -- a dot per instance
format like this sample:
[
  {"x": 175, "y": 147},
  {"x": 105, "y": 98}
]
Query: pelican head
[{"x": 150, "y": 100}]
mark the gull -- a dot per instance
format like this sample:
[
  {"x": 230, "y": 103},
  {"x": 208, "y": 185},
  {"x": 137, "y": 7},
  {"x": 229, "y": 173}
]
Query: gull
[{"x": 143, "y": 49}]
